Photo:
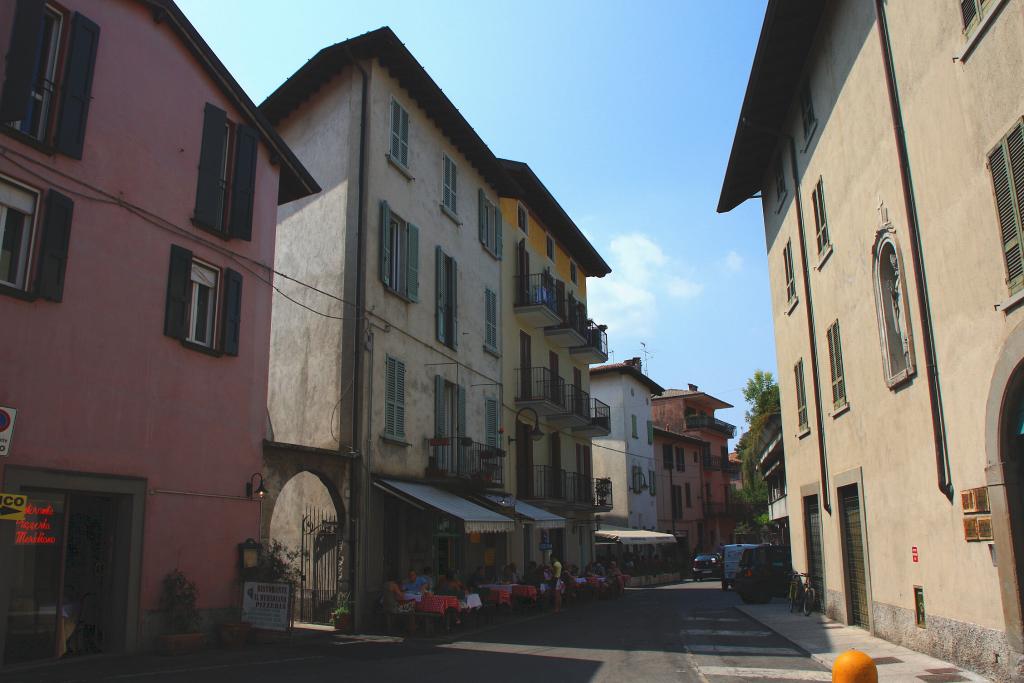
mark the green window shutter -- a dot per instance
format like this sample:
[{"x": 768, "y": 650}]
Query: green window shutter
[
  {"x": 405, "y": 137},
  {"x": 841, "y": 377},
  {"x": 399, "y": 399},
  {"x": 389, "y": 395},
  {"x": 412, "y": 264},
  {"x": 654, "y": 482},
  {"x": 385, "y": 244},
  {"x": 462, "y": 411},
  {"x": 497, "y": 229},
  {"x": 440, "y": 419},
  {"x": 820, "y": 216},
  {"x": 453, "y": 303},
  {"x": 968, "y": 12},
  {"x": 491, "y": 318},
  {"x": 1006, "y": 163},
  {"x": 634, "y": 425},
  {"x": 442, "y": 297},
  {"x": 491, "y": 417},
  {"x": 396, "y": 131},
  {"x": 650, "y": 432}
]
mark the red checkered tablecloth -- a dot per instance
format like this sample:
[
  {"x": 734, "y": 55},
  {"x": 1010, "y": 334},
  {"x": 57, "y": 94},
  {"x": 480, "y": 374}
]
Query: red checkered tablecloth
[
  {"x": 437, "y": 604},
  {"x": 595, "y": 581},
  {"x": 500, "y": 597},
  {"x": 524, "y": 591}
]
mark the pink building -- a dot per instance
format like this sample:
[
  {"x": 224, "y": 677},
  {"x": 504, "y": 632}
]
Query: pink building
[
  {"x": 679, "y": 460},
  {"x": 139, "y": 188}
]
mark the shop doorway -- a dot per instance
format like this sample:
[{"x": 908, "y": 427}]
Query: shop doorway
[
  {"x": 815, "y": 555},
  {"x": 68, "y": 576},
  {"x": 853, "y": 556}
]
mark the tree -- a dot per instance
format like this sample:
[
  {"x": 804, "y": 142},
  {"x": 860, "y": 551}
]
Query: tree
[{"x": 762, "y": 396}]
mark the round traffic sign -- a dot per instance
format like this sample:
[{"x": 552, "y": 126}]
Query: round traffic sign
[{"x": 5, "y": 420}]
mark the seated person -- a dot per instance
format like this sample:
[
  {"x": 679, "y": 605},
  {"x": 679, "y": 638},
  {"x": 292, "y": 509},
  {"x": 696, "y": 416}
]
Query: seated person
[
  {"x": 449, "y": 584},
  {"x": 394, "y": 602},
  {"x": 428, "y": 586},
  {"x": 414, "y": 583},
  {"x": 478, "y": 578}
]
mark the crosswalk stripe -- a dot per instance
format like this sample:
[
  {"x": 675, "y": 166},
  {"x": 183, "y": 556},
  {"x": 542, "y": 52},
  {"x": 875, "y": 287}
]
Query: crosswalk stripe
[
  {"x": 714, "y": 649},
  {"x": 752, "y": 672},
  {"x": 713, "y": 619},
  {"x": 720, "y": 632}
]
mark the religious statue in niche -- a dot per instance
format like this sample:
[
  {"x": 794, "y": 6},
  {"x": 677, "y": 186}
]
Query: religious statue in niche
[
  {"x": 893, "y": 320},
  {"x": 896, "y": 294}
]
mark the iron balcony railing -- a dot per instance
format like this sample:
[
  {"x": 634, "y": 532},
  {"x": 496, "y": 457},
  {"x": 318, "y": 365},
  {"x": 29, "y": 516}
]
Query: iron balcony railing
[
  {"x": 573, "y": 313},
  {"x": 542, "y": 481},
  {"x": 603, "y": 493},
  {"x": 539, "y": 289},
  {"x": 597, "y": 338},
  {"x": 708, "y": 422},
  {"x": 712, "y": 462},
  {"x": 600, "y": 414},
  {"x": 461, "y": 457},
  {"x": 540, "y": 384},
  {"x": 577, "y": 402}
]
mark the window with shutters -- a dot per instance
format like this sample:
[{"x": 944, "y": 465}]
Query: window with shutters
[
  {"x": 489, "y": 224},
  {"x": 634, "y": 426},
  {"x": 835, "y": 359},
  {"x": 522, "y": 218},
  {"x": 572, "y": 273},
  {"x": 491, "y": 426},
  {"x": 891, "y": 308},
  {"x": 549, "y": 247},
  {"x": 204, "y": 304},
  {"x": 973, "y": 11},
  {"x": 807, "y": 117},
  {"x": 399, "y": 254},
  {"x": 780, "y": 180},
  {"x": 666, "y": 456},
  {"x": 652, "y": 479},
  {"x": 446, "y": 277},
  {"x": 399, "y": 152},
  {"x": 821, "y": 220},
  {"x": 680, "y": 460},
  {"x": 18, "y": 206},
  {"x": 226, "y": 183},
  {"x": 490, "y": 320},
  {"x": 686, "y": 491},
  {"x": 801, "y": 396},
  {"x": 1006, "y": 164},
  {"x": 787, "y": 264},
  {"x": 394, "y": 398},
  {"x": 650, "y": 432},
  {"x": 449, "y": 185},
  {"x": 41, "y": 76}
]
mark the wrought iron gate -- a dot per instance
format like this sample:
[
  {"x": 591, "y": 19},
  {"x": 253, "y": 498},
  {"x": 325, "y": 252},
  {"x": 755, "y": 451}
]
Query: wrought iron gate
[{"x": 321, "y": 566}]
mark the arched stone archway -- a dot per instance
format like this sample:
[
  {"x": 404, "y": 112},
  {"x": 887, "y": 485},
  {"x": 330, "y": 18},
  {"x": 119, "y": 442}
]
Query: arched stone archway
[{"x": 1004, "y": 474}]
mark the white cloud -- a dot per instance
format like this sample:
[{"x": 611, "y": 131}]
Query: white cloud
[
  {"x": 733, "y": 262},
  {"x": 627, "y": 299}
]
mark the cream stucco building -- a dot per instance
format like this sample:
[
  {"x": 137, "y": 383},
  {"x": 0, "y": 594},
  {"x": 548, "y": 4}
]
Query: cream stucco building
[{"x": 884, "y": 140}]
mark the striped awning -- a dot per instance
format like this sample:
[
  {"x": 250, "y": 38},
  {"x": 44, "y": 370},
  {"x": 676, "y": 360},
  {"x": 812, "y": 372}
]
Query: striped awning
[
  {"x": 476, "y": 518},
  {"x": 633, "y": 536},
  {"x": 542, "y": 519}
]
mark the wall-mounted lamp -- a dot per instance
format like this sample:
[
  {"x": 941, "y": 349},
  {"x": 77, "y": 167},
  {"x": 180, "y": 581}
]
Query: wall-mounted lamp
[
  {"x": 260, "y": 491},
  {"x": 535, "y": 434}
]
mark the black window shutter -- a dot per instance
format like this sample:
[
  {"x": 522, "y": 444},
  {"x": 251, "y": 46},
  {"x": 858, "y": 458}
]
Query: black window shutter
[
  {"x": 178, "y": 279},
  {"x": 209, "y": 193},
  {"x": 26, "y": 35},
  {"x": 243, "y": 187},
  {"x": 232, "y": 311},
  {"x": 53, "y": 249},
  {"x": 77, "y": 87}
]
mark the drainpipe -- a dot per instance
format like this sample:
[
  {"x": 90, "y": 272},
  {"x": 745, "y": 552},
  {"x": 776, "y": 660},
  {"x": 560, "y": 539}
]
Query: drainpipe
[
  {"x": 362, "y": 483},
  {"x": 945, "y": 482},
  {"x": 808, "y": 308}
]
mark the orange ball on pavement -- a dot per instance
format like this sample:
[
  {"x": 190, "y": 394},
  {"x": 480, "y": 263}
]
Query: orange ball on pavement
[{"x": 853, "y": 666}]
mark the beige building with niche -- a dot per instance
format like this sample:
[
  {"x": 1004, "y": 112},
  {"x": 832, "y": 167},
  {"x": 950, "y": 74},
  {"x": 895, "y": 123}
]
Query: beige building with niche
[{"x": 885, "y": 142}]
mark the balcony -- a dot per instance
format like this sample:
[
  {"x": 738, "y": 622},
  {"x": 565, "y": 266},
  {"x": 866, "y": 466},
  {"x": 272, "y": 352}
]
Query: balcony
[
  {"x": 541, "y": 390},
  {"x": 730, "y": 510},
  {"x": 577, "y": 408},
  {"x": 566, "y": 489},
  {"x": 595, "y": 348},
  {"x": 600, "y": 422},
  {"x": 711, "y": 423},
  {"x": 712, "y": 462},
  {"x": 463, "y": 458},
  {"x": 572, "y": 330},
  {"x": 536, "y": 301}
]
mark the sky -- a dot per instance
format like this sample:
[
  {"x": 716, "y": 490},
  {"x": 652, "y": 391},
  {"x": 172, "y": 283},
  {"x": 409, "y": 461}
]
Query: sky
[{"x": 626, "y": 112}]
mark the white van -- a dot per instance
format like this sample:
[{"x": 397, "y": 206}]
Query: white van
[{"x": 731, "y": 560}]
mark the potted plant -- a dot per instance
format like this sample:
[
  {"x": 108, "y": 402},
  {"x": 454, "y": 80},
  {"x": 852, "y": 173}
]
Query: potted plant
[
  {"x": 178, "y": 597},
  {"x": 341, "y": 615}
]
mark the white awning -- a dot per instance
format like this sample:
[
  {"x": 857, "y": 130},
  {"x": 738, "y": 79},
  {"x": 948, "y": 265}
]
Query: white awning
[
  {"x": 477, "y": 519},
  {"x": 633, "y": 536},
  {"x": 542, "y": 519}
]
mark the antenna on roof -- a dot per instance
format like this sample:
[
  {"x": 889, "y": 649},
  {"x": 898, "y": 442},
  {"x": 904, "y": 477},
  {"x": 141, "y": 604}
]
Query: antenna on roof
[
  {"x": 647, "y": 357},
  {"x": 611, "y": 354}
]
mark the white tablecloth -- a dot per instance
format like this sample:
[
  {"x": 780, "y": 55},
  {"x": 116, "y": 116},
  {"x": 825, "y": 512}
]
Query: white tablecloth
[
  {"x": 472, "y": 601},
  {"x": 413, "y": 596}
]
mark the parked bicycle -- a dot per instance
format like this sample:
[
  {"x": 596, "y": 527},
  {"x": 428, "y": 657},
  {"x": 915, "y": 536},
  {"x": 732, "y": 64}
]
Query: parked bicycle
[{"x": 802, "y": 595}]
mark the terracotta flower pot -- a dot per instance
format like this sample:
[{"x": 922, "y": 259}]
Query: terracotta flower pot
[
  {"x": 180, "y": 643},
  {"x": 343, "y": 622}
]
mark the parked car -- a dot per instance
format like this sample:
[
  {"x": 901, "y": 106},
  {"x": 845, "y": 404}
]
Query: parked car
[
  {"x": 731, "y": 561},
  {"x": 707, "y": 566},
  {"x": 764, "y": 573}
]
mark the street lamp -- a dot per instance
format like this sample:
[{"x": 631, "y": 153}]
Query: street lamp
[
  {"x": 535, "y": 434},
  {"x": 260, "y": 491}
]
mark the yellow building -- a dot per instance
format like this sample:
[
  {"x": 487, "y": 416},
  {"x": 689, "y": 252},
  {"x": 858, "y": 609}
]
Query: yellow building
[{"x": 547, "y": 343}]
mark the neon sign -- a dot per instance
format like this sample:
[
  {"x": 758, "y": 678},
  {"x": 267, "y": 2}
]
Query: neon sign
[{"x": 37, "y": 527}]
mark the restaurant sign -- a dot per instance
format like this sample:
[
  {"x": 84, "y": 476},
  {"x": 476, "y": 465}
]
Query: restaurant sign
[
  {"x": 12, "y": 506},
  {"x": 266, "y": 605}
]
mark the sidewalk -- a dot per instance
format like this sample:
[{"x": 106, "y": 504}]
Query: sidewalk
[{"x": 824, "y": 640}]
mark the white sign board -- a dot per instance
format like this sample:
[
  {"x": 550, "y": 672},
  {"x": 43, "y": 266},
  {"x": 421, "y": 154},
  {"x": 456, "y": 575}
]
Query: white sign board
[
  {"x": 266, "y": 605},
  {"x": 7, "y": 416}
]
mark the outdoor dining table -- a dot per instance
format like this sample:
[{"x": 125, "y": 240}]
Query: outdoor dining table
[
  {"x": 472, "y": 601},
  {"x": 521, "y": 590},
  {"x": 437, "y": 604}
]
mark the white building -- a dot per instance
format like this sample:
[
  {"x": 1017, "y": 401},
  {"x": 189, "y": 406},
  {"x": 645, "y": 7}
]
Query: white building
[{"x": 626, "y": 455}]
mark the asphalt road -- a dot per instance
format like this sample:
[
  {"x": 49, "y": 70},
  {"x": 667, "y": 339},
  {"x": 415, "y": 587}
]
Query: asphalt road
[{"x": 685, "y": 632}]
